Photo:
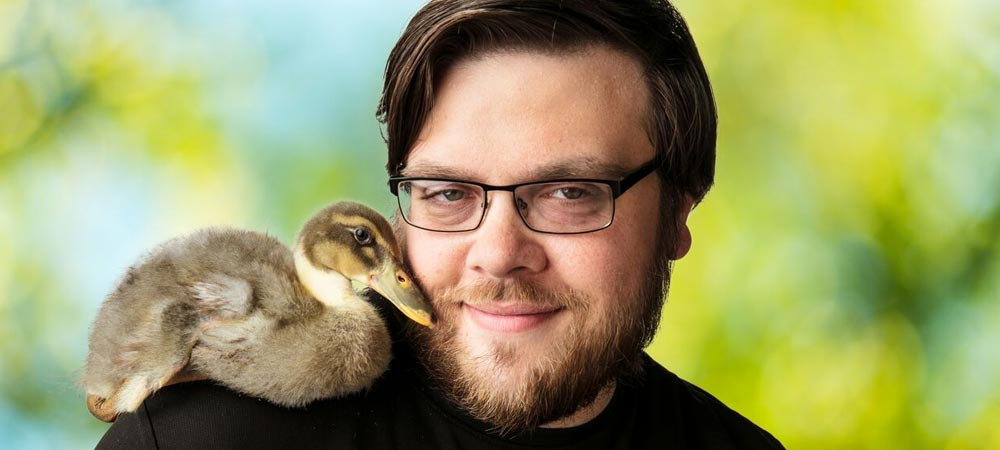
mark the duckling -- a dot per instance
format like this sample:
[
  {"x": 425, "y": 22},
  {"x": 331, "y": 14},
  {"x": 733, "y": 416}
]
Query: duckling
[{"x": 240, "y": 308}]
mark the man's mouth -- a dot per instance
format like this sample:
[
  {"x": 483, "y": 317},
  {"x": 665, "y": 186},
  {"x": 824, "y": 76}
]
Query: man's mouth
[{"x": 510, "y": 318}]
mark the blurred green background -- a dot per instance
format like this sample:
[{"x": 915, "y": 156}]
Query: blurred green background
[{"x": 843, "y": 290}]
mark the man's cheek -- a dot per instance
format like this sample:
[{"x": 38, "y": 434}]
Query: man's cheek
[{"x": 432, "y": 264}]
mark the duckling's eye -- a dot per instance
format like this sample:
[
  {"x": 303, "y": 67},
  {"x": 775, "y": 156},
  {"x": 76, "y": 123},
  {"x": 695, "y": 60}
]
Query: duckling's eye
[{"x": 362, "y": 235}]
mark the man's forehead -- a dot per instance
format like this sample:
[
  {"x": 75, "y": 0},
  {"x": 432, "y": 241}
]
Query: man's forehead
[{"x": 526, "y": 171}]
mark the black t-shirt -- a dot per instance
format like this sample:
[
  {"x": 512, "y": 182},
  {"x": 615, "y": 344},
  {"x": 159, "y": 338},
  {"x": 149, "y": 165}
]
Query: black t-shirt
[{"x": 404, "y": 411}]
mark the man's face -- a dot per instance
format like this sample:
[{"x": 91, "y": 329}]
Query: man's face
[{"x": 523, "y": 314}]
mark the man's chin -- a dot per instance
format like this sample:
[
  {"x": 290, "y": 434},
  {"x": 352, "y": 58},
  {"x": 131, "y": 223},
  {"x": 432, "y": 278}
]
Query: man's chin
[
  {"x": 511, "y": 358},
  {"x": 512, "y": 380},
  {"x": 519, "y": 373}
]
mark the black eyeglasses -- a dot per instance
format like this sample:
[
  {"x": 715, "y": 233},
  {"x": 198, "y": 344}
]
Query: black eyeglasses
[{"x": 566, "y": 206}]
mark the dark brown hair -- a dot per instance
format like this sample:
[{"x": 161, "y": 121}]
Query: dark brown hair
[{"x": 682, "y": 123}]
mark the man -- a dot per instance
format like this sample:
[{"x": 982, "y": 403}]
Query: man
[{"x": 545, "y": 155}]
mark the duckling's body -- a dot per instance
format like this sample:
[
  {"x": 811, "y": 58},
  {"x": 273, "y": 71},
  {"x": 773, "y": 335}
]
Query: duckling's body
[{"x": 238, "y": 307}]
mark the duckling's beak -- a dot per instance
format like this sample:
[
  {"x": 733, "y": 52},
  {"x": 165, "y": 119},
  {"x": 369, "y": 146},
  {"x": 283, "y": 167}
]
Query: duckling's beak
[{"x": 398, "y": 287}]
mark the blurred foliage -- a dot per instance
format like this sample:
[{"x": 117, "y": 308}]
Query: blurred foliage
[
  {"x": 844, "y": 281},
  {"x": 843, "y": 286}
]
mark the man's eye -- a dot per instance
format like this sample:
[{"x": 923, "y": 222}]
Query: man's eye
[
  {"x": 451, "y": 195},
  {"x": 570, "y": 192}
]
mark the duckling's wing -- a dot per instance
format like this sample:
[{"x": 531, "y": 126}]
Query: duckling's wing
[{"x": 222, "y": 296}]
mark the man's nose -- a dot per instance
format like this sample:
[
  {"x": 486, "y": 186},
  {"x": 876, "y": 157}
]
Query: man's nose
[{"x": 503, "y": 246}]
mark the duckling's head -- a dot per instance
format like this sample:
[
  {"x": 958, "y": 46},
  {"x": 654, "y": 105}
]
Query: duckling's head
[{"x": 350, "y": 241}]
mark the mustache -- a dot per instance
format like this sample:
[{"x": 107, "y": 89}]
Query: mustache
[{"x": 516, "y": 291}]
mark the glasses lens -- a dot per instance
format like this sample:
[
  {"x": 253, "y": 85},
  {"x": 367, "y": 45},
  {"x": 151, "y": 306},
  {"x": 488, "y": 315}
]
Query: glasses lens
[
  {"x": 441, "y": 205},
  {"x": 566, "y": 206}
]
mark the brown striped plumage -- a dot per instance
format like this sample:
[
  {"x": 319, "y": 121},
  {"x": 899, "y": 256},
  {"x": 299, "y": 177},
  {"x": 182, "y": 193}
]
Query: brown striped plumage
[{"x": 239, "y": 308}]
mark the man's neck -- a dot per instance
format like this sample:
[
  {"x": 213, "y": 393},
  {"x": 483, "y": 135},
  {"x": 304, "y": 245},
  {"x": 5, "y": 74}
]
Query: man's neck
[{"x": 587, "y": 412}]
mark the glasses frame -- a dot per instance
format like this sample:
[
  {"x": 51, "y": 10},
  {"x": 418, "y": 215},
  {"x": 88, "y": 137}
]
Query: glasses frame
[{"x": 618, "y": 187}]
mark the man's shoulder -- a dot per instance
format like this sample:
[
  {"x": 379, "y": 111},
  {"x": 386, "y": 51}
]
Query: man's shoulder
[
  {"x": 702, "y": 420},
  {"x": 206, "y": 415},
  {"x": 660, "y": 410}
]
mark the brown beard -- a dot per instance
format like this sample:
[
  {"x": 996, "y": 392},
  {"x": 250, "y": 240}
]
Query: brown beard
[{"x": 577, "y": 367}]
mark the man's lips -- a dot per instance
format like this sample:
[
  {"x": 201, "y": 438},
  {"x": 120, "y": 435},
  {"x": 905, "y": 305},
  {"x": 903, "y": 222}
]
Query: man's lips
[{"x": 510, "y": 318}]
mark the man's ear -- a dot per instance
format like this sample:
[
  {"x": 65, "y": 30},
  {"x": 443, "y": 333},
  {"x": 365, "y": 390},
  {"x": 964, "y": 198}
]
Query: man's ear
[{"x": 683, "y": 243}]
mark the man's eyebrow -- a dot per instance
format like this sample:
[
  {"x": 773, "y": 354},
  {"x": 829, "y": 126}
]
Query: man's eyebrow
[
  {"x": 572, "y": 169},
  {"x": 430, "y": 170},
  {"x": 580, "y": 169}
]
